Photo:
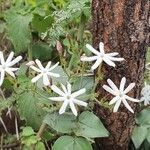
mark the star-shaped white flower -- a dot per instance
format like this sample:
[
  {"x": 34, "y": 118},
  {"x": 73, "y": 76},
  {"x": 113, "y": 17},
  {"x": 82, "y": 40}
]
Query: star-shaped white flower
[
  {"x": 68, "y": 98},
  {"x": 120, "y": 94},
  {"x": 44, "y": 73},
  {"x": 6, "y": 66},
  {"x": 145, "y": 95},
  {"x": 108, "y": 58}
]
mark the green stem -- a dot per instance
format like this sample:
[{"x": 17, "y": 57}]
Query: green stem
[
  {"x": 41, "y": 130},
  {"x": 29, "y": 53}
]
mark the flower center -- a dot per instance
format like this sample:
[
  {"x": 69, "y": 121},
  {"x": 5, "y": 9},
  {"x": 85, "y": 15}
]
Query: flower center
[
  {"x": 68, "y": 97},
  {"x": 102, "y": 55},
  {"x": 3, "y": 66},
  {"x": 121, "y": 94}
]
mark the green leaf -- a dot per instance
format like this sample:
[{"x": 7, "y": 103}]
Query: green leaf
[
  {"x": 139, "y": 135},
  {"x": 148, "y": 135},
  {"x": 143, "y": 117},
  {"x": 90, "y": 126},
  {"x": 39, "y": 146},
  {"x": 63, "y": 76},
  {"x": 40, "y": 23},
  {"x": 29, "y": 108},
  {"x": 64, "y": 123},
  {"x": 28, "y": 131},
  {"x": 71, "y": 143},
  {"x": 18, "y": 30},
  {"x": 28, "y": 141},
  {"x": 41, "y": 51}
]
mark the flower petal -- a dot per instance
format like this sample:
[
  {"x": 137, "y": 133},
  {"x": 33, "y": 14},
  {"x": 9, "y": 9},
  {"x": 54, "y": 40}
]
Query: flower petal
[
  {"x": 48, "y": 65},
  {"x": 2, "y": 75},
  {"x": 117, "y": 105},
  {"x": 2, "y": 58},
  {"x": 8, "y": 70},
  {"x": 127, "y": 105},
  {"x": 13, "y": 69},
  {"x": 57, "y": 98},
  {"x": 116, "y": 59},
  {"x": 85, "y": 58},
  {"x": 114, "y": 100},
  {"x": 46, "y": 79},
  {"x": 101, "y": 47},
  {"x": 69, "y": 88},
  {"x": 112, "y": 54},
  {"x": 57, "y": 90},
  {"x": 13, "y": 62},
  {"x": 131, "y": 99},
  {"x": 36, "y": 78},
  {"x": 97, "y": 63},
  {"x": 79, "y": 102},
  {"x": 72, "y": 106},
  {"x": 35, "y": 69},
  {"x": 112, "y": 85},
  {"x": 108, "y": 89},
  {"x": 10, "y": 57},
  {"x": 64, "y": 88},
  {"x": 122, "y": 84},
  {"x": 38, "y": 62},
  {"x": 63, "y": 107},
  {"x": 130, "y": 87},
  {"x": 77, "y": 93},
  {"x": 108, "y": 61},
  {"x": 93, "y": 50},
  {"x": 53, "y": 74},
  {"x": 54, "y": 66}
]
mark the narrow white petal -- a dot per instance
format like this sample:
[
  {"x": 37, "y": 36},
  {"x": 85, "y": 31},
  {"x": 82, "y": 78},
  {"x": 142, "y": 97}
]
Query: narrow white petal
[
  {"x": 93, "y": 50},
  {"x": 108, "y": 61},
  {"x": 101, "y": 47},
  {"x": 10, "y": 72},
  {"x": 112, "y": 54},
  {"x": 79, "y": 102},
  {"x": 69, "y": 88},
  {"x": 117, "y": 105},
  {"x": 57, "y": 90},
  {"x": 54, "y": 66},
  {"x": 64, "y": 88},
  {"x": 122, "y": 84},
  {"x": 46, "y": 80},
  {"x": 130, "y": 87},
  {"x": 114, "y": 100},
  {"x": 131, "y": 99},
  {"x": 2, "y": 58},
  {"x": 13, "y": 69},
  {"x": 16, "y": 60},
  {"x": 2, "y": 75},
  {"x": 127, "y": 105},
  {"x": 85, "y": 58},
  {"x": 57, "y": 98},
  {"x": 72, "y": 106},
  {"x": 35, "y": 69},
  {"x": 30, "y": 63},
  {"x": 112, "y": 85},
  {"x": 53, "y": 74},
  {"x": 108, "y": 89},
  {"x": 10, "y": 57},
  {"x": 63, "y": 107},
  {"x": 97, "y": 63},
  {"x": 146, "y": 102},
  {"x": 48, "y": 65},
  {"x": 77, "y": 93},
  {"x": 116, "y": 59},
  {"x": 36, "y": 78},
  {"x": 38, "y": 62}
]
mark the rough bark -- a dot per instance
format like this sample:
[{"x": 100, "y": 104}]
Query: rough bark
[{"x": 123, "y": 27}]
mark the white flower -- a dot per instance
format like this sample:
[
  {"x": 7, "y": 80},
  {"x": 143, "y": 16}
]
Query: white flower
[
  {"x": 44, "y": 73},
  {"x": 6, "y": 66},
  {"x": 120, "y": 94},
  {"x": 146, "y": 95},
  {"x": 68, "y": 98},
  {"x": 108, "y": 58}
]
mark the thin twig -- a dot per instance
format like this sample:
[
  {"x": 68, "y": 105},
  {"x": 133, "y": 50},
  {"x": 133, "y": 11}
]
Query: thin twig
[{"x": 41, "y": 130}]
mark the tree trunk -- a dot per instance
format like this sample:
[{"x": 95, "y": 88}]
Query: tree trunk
[{"x": 123, "y": 27}]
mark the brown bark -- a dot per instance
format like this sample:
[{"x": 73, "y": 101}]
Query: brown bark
[{"x": 123, "y": 27}]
